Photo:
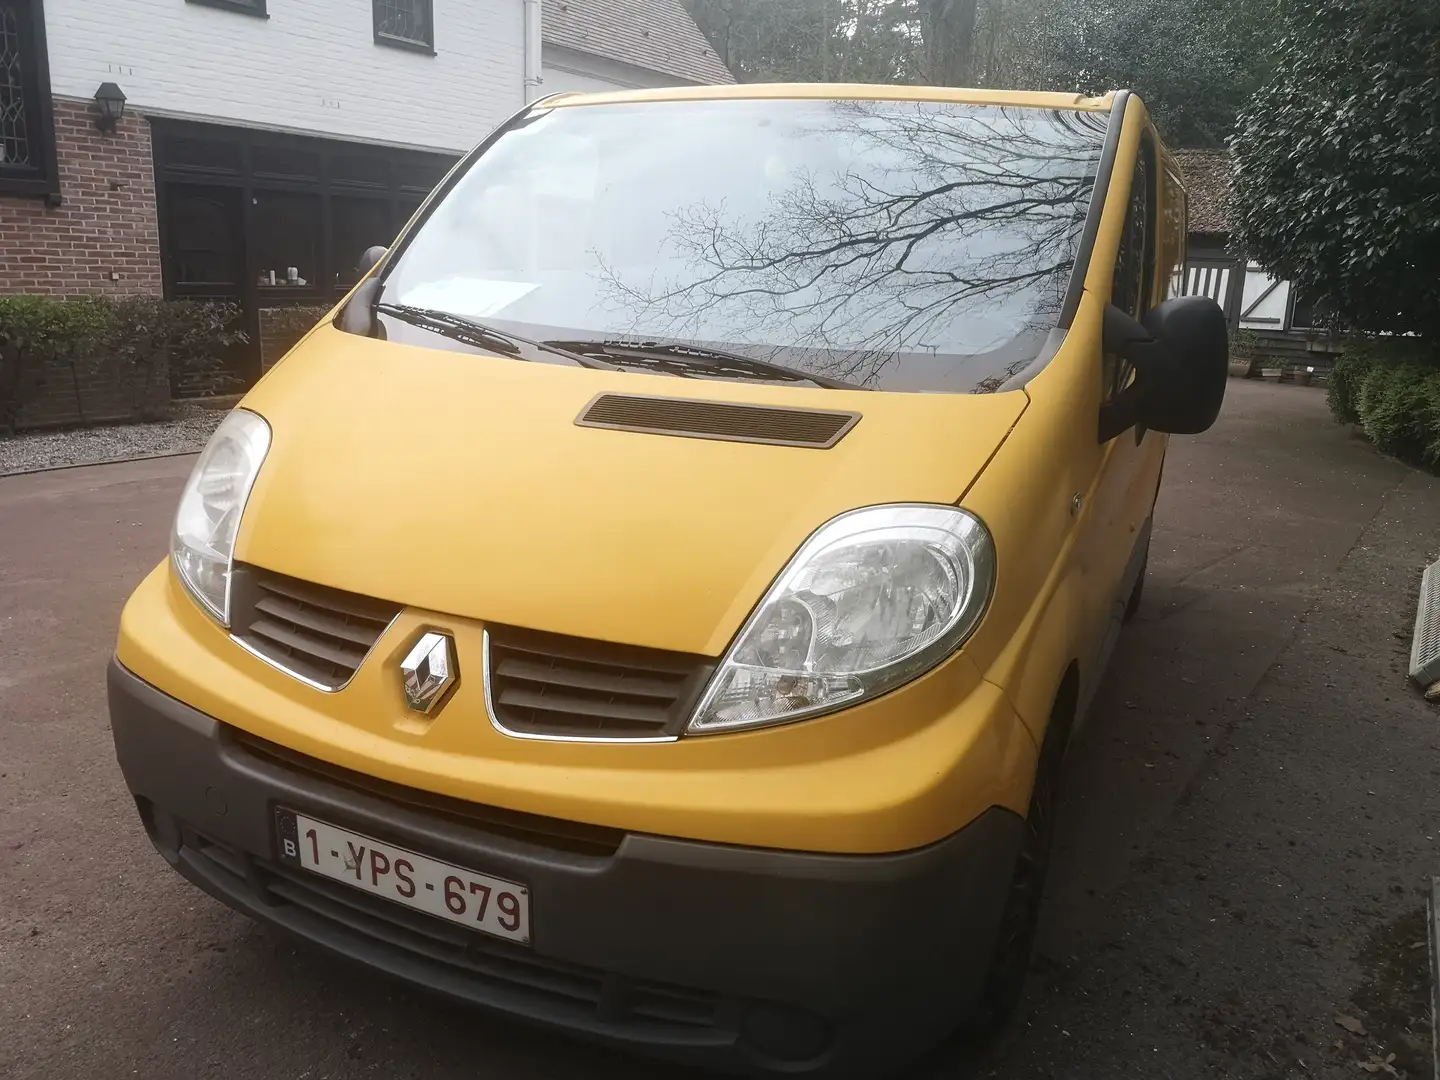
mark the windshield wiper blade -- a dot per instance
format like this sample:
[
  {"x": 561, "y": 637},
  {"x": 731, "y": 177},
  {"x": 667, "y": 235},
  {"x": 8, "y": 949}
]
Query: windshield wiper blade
[
  {"x": 702, "y": 357},
  {"x": 470, "y": 332}
]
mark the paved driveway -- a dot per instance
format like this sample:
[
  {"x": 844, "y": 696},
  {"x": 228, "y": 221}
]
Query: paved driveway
[{"x": 1248, "y": 815}]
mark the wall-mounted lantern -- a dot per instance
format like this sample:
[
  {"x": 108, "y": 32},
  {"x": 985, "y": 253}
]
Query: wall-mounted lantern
[{"x": 111, "y": 101}]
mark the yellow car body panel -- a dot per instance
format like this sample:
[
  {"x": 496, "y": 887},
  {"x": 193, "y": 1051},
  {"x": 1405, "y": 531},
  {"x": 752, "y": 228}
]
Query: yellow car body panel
[
  {"x": 594, "y": 533},
  {"x": 1070, "y": 509},
  {"x": 581, "y": 531},
  {"x": 835, "y": 91}
]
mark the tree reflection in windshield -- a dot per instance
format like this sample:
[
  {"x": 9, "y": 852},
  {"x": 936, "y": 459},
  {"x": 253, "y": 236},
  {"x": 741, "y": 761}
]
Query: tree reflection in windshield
[
  {"x": 940, "y": 217},
  {"x": 898, "y": 245}
]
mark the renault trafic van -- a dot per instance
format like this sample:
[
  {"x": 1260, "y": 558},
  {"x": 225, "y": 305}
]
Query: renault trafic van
[{"x": 654, "y": 604}]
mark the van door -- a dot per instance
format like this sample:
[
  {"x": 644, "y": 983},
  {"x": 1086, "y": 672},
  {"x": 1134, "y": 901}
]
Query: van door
[{"x": 1119, "y": 520}]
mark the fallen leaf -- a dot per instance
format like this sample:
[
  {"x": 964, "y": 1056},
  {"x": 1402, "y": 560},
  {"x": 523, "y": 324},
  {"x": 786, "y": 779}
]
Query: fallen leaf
[{"x": 1350, "y": 1024}]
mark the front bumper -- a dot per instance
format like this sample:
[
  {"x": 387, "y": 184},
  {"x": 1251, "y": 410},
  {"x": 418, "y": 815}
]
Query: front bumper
[{"x": 742, "y": 959}]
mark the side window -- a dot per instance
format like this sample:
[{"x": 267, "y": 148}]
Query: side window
[{"x": 1134, "y": 285}]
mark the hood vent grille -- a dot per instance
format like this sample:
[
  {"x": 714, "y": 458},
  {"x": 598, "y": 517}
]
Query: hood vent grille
[
  {"x": 548, "y": 686},
  {"x": 815, "y": 429},
  {"x": 318, "y": 634}
]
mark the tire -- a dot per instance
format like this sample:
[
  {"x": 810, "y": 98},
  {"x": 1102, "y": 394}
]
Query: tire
[{"x": 1005, "y": 981}]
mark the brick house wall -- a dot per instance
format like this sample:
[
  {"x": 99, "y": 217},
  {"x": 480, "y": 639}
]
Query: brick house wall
[{"x": 104, "y": 237}]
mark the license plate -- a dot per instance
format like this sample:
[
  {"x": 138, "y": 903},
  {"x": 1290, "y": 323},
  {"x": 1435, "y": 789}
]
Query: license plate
[{"x": 490, "y": 905}]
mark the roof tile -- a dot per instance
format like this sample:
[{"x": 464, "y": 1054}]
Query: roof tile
[
  {"x": 1207, "y": 177},
  {"x": 654, "y": 34}
]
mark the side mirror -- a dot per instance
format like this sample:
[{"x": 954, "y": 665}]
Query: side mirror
[
  {"x": 372, "y": 256},
  {"x": 358, "y": 315},
  {"x": 1181, "y": 355}
]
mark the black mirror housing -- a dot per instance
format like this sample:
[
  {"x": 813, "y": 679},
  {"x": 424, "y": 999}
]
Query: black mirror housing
[
  {"x": 1181, "y": 354},
  {"x": 358, "y": 314},
  {"x": 372, "y": 256}
]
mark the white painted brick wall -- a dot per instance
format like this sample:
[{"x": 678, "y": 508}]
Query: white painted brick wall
[{"x": 312, "y": 66}]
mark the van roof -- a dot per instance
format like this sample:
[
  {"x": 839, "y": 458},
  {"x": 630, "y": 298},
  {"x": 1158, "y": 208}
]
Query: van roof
[{"x": 837, "y": 91}]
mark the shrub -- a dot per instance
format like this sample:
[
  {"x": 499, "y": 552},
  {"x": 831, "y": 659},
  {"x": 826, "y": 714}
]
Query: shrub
[
  {"x": 1244, "y": 345},
  {"x": 282, "y": 327},
  {"x": 130, "y": 344},
  {"x": 1392, "y": 389}
]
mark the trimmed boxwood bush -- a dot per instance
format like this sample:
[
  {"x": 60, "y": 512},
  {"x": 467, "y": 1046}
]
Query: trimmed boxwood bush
[
  {"x": 130, "y": 344},
  {"x": 1391, "y": 388}
]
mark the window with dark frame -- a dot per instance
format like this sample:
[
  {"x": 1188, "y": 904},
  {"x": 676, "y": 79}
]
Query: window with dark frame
[
  {"x": 27, "y": 131},
  {"x": 245, "y": 7},
  {"x": 1305, "y": 314},
  {"x": 405, "y": 24},
  {"x": 311, "y": 205},
  {"x": 1135, "y": 263}
]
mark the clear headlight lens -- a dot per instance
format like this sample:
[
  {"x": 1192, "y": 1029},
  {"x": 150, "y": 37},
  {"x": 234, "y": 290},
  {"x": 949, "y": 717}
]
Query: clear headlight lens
[
  {"x": 872, "y": 600},
  {"x": 208, "y": 520}
]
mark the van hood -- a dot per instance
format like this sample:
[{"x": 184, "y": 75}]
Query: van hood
[{"x": 461, "y": 484}]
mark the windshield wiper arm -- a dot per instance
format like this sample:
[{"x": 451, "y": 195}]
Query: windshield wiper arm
[
  {"x": 704, "y": 357},
  {"x": 470, "y": 332}
]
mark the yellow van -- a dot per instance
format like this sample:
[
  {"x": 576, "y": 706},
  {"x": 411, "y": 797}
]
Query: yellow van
[{"x": 655, "y": 603}]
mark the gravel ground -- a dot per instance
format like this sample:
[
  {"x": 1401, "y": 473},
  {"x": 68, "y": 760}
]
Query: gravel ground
[{"x": 185, "y": 433}]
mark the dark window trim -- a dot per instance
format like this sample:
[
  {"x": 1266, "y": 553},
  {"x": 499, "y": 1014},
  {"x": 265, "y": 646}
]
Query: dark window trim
[
  {"x": 42, "y": 179},
  {"x": 1098, "y": 194},
  {"x": 393, "y": 42},
  {"x": 253, "y": 8},
  {"x": 241, "y": 178}
]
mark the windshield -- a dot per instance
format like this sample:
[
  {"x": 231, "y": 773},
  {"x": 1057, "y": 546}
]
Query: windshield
[{"x": 911, "y": 246}]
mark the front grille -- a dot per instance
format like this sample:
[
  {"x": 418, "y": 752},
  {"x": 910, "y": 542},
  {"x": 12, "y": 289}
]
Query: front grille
[
  {"x": 563, "y": 687},
  {"x": 817, "y": 429},
  {"x": 315, "y": 632},
  {"x": 551, "y": 834},
  {"x": 462, "y": 961}
]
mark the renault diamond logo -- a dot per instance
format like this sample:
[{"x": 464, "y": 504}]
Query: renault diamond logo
[{"x": 429, "y": 672}]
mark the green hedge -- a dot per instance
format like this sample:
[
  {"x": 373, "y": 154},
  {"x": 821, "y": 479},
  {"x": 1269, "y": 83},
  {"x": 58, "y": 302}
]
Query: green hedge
[
  {"x": 129, "y": 345},
  {"x": 1391, "y": 388},
  {"x": 282, "y": 327}
]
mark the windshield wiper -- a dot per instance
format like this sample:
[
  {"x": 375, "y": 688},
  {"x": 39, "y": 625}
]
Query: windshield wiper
[
  {"x": 470, "y": 332},
  {"x": 709, "y": 361}
]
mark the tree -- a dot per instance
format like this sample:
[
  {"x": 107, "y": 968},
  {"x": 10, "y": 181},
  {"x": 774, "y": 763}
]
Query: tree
[
  {"x": 1337, "y": 163},
  {"x": 937, "y": 231},
  {"x": 811, "y": 40},
  {"x": 1195, "y": 62}
]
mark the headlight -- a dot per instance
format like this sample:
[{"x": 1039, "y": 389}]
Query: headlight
[
  {"x": 872, "y": 600},
  {"x": 203, "y": 543}
]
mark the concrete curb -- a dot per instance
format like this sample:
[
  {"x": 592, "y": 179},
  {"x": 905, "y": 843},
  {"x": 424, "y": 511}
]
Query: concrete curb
[{"x": 102, "y": 461}]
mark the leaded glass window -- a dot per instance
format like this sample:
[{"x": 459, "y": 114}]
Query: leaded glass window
[
  {"x": 27, "y": 133},
  {"x": 16, "y": 148}
]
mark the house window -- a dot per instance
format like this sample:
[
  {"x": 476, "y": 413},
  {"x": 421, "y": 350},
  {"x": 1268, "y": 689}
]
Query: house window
[
  {"x": 27, "y": 133},
  {"x": 1304, "y": 313},
  {"x": 406, "y": 24},
  {"x": 247, "y": 7}
]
